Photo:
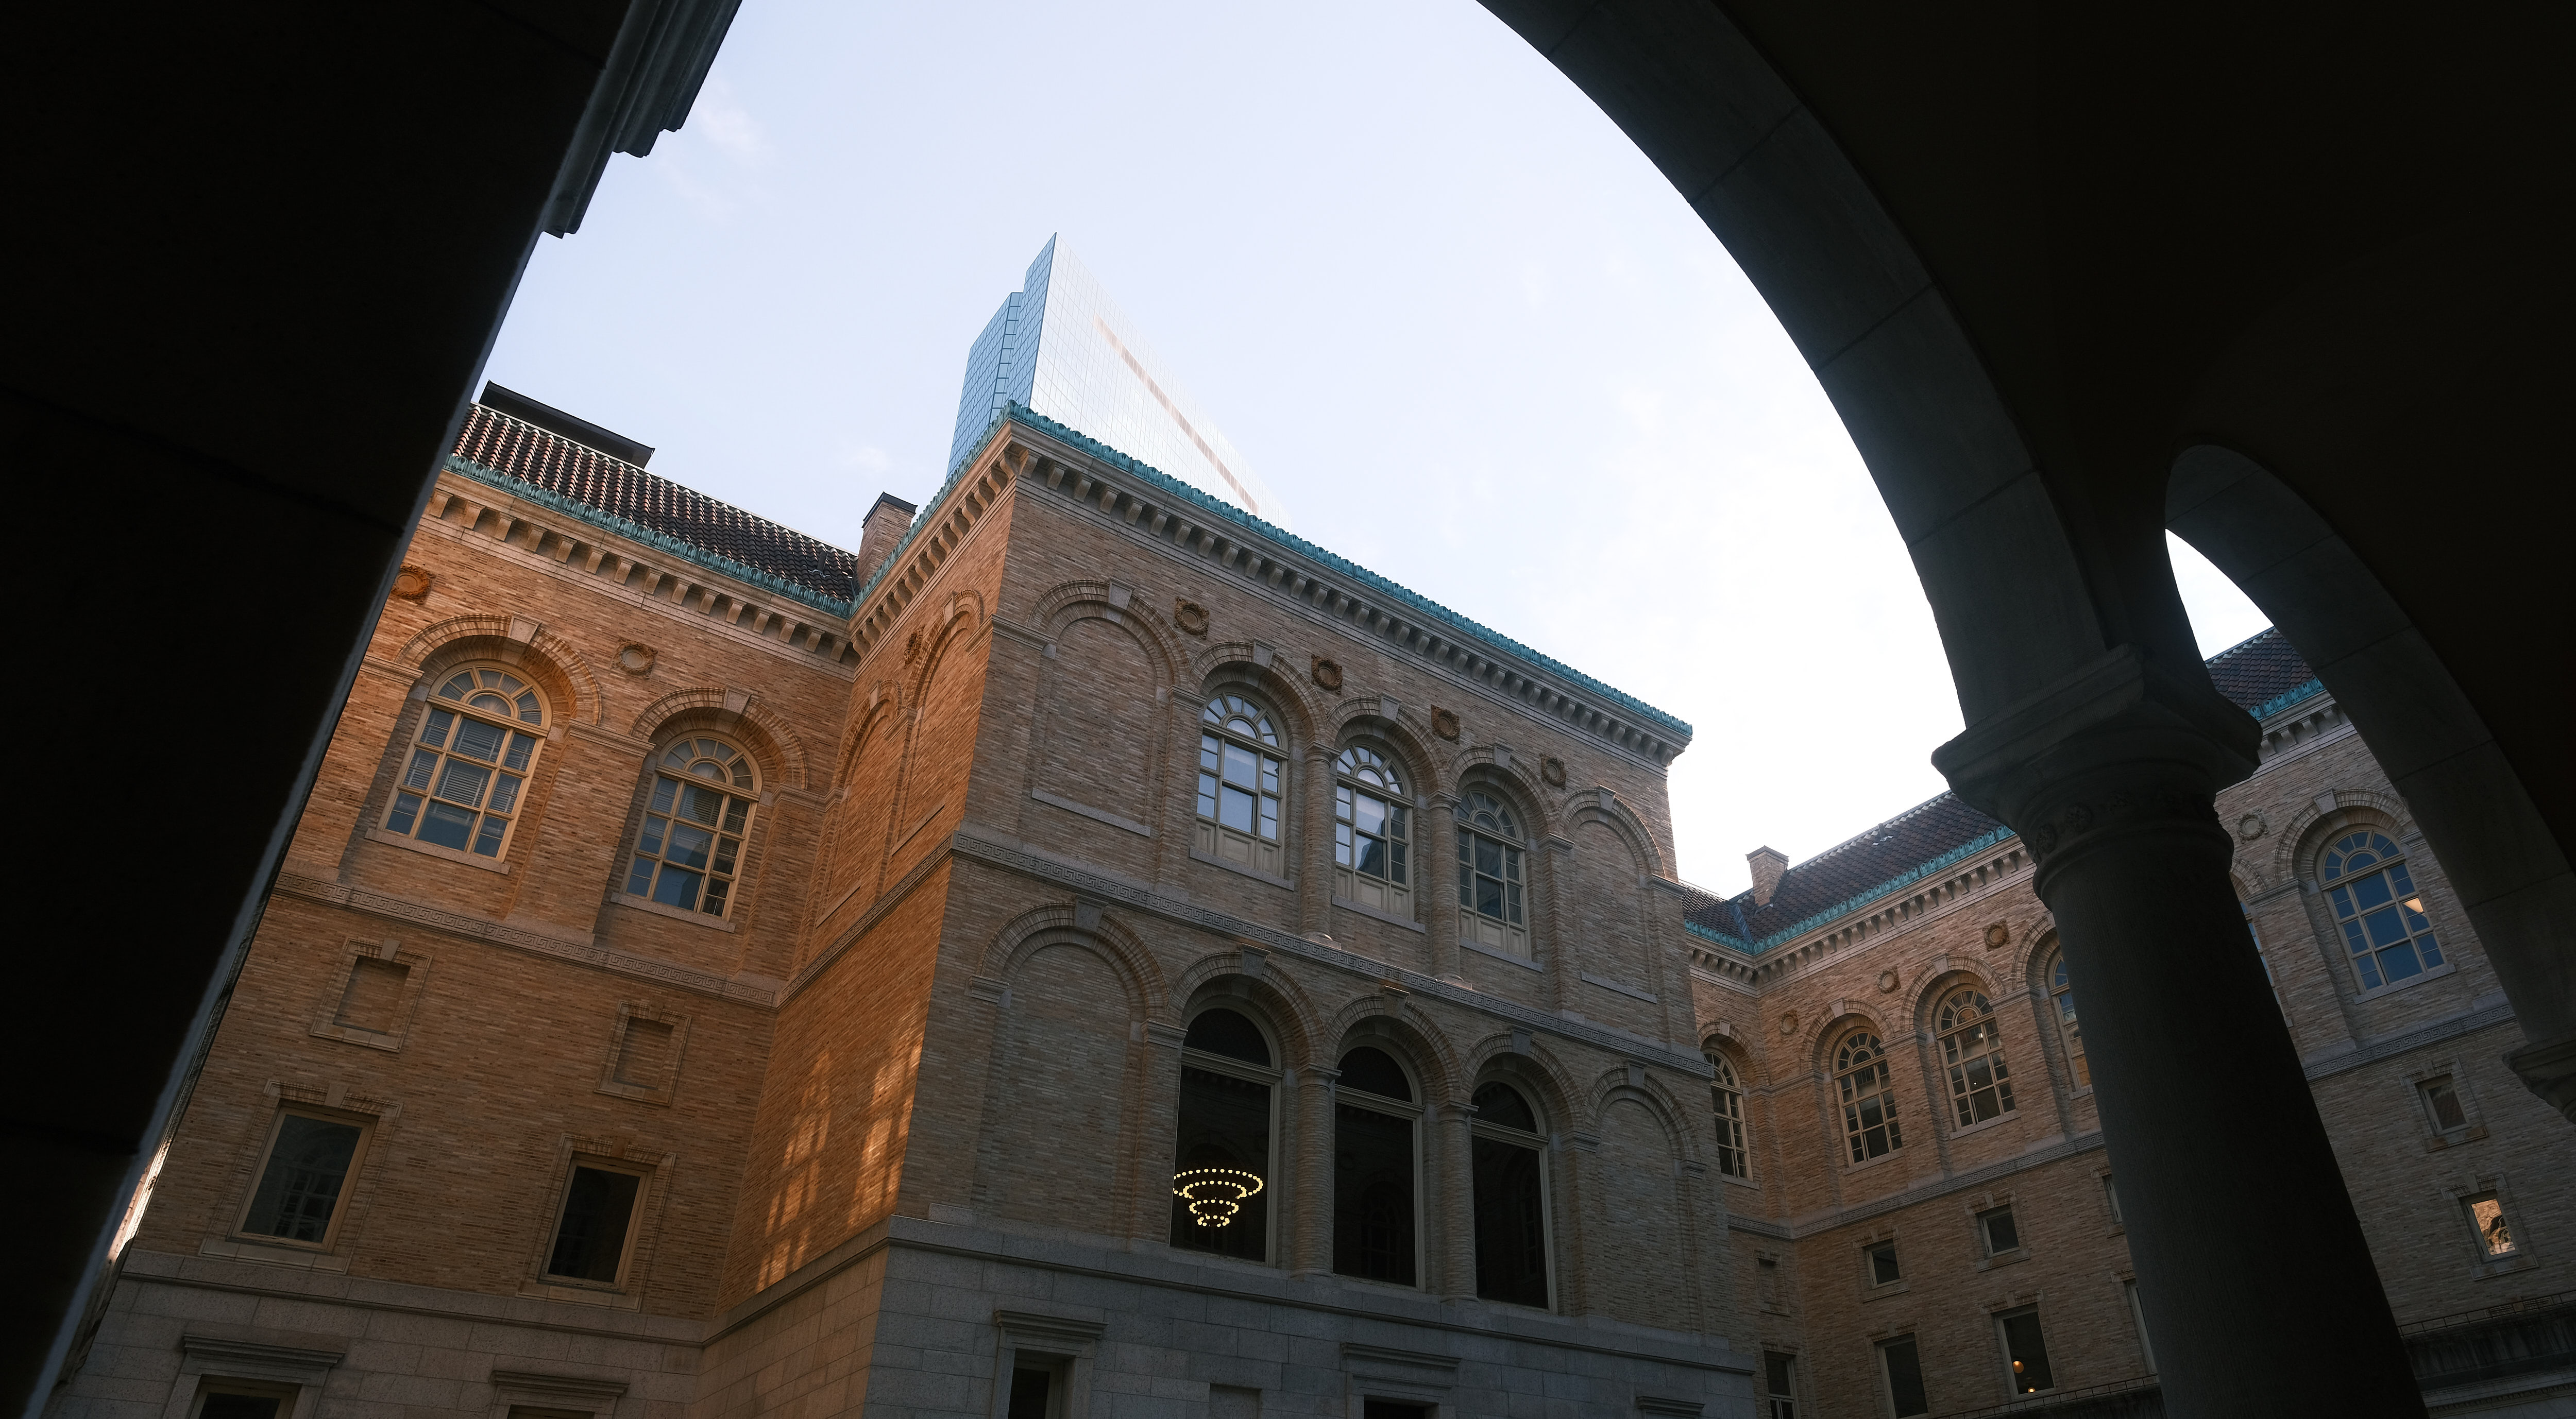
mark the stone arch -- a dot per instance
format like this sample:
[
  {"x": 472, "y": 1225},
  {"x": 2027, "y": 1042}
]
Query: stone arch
[
  {"x": 1614, "y": 1084},
  {"x": 1064, "y": 923},
  {"x": 1746, "y": 1060},
  {"x": 2305, "y": 835},
  {"x": 1397, "y": 727},
  {"x": 1239, "y": 663},
  {"x": 885, "y": 697},
  {"x": 1099, "y": 725},
  {"x": 738, "y": 713},
  {"x": 1069, "y": 600},
  {"x": 962, "y": 617},
  {"x": 554, "y": 662},
  {"x": 1418, "y": 1040},
  {"x": 1829, "y": 1031},
  {"x": 1232, "y": 975},
  {"x": 1562, "y": 1104},
  {"x": 1476, "y": 769},
  {"x": 1933, "y": 989},
  {"x": 1601, "y": 805}
]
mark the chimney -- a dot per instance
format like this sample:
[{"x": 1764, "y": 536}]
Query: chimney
[
  {"x": 1768, "y": 864},
  {"x": 886, "y": 524}
]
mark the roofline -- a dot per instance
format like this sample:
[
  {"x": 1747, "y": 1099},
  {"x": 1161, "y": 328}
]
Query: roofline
[
  {"x": 1992, "y": 838},
  {"x": 1466, "y": 629}
]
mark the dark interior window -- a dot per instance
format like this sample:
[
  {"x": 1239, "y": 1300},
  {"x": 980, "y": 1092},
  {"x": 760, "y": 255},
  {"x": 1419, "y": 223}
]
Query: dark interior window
[
  {"x": 1511, "y": 1224},
  {"x": 1221, "y": 1164},
  {"x": 1029, "y": 1393},
  {"x": 1393, "y": 1409},
  {"x": 238, "y": 1406},
  {"x": 1372, "y": 1173},
  {"x": 1882, "y": 1264},
  {"x": 1376, "y": 1072},
  {"x": 2029, "y": 1352},
  {"x": 1501, "y": 1103},
  {"x": 300, "y": 1188},
  {"x": 1227, "y": 1033},
  {"x": 590, "y": 1240},
  {"x": 1904, "y": 1377},
  {"x": 2001, "y": 1235}
]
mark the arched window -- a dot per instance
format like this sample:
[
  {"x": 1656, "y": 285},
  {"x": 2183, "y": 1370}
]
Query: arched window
[
  {"x": 1490, "y": 884},
  {"x": 2061, "y": 993},
  {"x": 1869, "y": 1110},
  {"x": 1240, "y": 773},
  {"x": 689, "y": 851},
  {"x": 1221, "y": 1163},
  {"x": 1372, "y": 833},
  {"x": 1373, "y": 1168},
  {"x": 1973, "y": 1051},
  {"x": 477, "y": 744},
  {"x": 2375, "y": 902},
  {"x": 1726, "y": 1092},
  {"x": 1507, "y": 1156}
]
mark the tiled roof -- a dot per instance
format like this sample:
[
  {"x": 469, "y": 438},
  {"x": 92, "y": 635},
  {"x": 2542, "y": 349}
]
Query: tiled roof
[
  {"x": 576, "y": 474},
  {"x": 2256, "y": 673}
]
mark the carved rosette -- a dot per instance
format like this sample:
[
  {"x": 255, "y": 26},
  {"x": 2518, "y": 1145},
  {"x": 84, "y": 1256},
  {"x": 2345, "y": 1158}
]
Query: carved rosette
[
  {"x": 635, "y": 658},
  {"x": 1552, "y": 770},
  {"x": 1327, "y": 673},
  {"x": 1190, "y": 616},
  {"x": 412, "y": 582},
  {"x": 1444, "y": 722}
]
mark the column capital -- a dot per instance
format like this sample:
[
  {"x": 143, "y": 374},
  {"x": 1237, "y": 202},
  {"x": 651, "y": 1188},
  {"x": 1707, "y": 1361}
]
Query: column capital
[{"x": 2115, "y": 744}]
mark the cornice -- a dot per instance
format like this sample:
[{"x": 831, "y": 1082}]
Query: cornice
[{"x": 1287, "y": 569}]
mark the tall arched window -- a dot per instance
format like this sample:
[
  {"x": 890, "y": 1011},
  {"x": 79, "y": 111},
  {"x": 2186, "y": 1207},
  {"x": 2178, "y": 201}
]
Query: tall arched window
[
  {"x": 1869, "y": 1110},
  {"x": 2061, "y": 993},
  {"x": 689, "y": 852},
  {"x": 470, "y": 762},
  {"x": 1509, "y": 1160},
  {"x": 1726, "y": 1093},
  {"x": 1972, "y": 1049},
  {"x": 2384, "y": 925},
  {"x": 1490, "y": 883},
  {"x": 1221, "y": 1163},
  {"x": 1373, "y": 1168},
  {"x": 1372, "y": 833},
  {"x": 1240, "y": 777}
]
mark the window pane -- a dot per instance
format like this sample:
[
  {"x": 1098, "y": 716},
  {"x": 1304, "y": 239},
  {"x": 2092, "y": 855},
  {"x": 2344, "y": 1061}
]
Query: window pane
[
  {"x": 591, "y": 1239},
  {"x": 2001, "y": 1235},
  {"x": 1210, "y": 756},
  {"x": 1904, "y": 1377},
  {"x": 406, "y": 808},
  {"x": 1239, "y": 766},
  {"x": 1221, "y": 1164},
  {"x": 1511, "y": 1224},
  {"x": 1489, "y": 896},
  {"x": 2494, "y": 1233},
  {"x": 1207, "y": 795},
  {"x": 238, "y": 1406},
  {"x": 301, "y": 1187},
  {"x": 1369, "y": 814},
  {"x": 505, "y": 794},
  {"x": 1372, "y": 1195},
  {"x": 2028, "y": 1352},
  {"x": 688, "y": 846},
  {"x": 2444, "y": 1103},
  {"x": 639, "y": 882},
  {"x": 664, "y": 791},
  {"x": 1489, "y": 857},
  {"x": 478, "y": 740},
  {"x": 737, "y": 812},
  {"x": 462, "y": 782},
  {"x": 1372, "y": 854},
  {"x": 521, "y": 747},
  {"x": 678, "y": 887},
  {"x": 1396, "y": 866},
  {"x": 423, "y": 764},
  {"x": 434, "y": 734},
  {"x": 651, "y": 841},
  {"x": 700, "y": 804},
  {"x": 1234, "y": 808},
  {"x": 1270, "y": 817},
  {"x": 447, "y": 825},
  {"x": 1882, "y": 1265},
  {"x": 714, "y": 905},
  {"x": 487, "y": 843}
]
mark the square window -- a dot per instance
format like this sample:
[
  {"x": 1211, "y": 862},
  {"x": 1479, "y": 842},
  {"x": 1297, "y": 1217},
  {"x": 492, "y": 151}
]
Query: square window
[
  {"x": 595, "y": 1225},
  {"x": 1883, "y": 1270},
  {"x": 1999, "y": 1232},
  {"x": 2025, "y": 1351},
  {"x": 304, "y": 1178},
  {"x": 2442, "y": 1104},
  {"x": 1903, "y": 1370},
  {"x": 2494, "y": 1229}
]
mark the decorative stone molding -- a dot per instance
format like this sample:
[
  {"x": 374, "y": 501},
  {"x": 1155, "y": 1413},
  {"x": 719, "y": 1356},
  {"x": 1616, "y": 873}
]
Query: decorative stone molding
[
  {"x": 1444, "y": 722},
  {"x": 413, "y": 582},
  {"x": 1997, "y": 935},
  {"x": 1327, "y": 673},
  {"x": 1551, "y": 771},
  {"x": 635, "y": 658},
  {"x": 1190, "y": 616}
]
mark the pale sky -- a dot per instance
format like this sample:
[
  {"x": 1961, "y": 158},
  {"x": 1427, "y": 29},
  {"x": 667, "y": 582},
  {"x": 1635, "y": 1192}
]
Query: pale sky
[{"x": 1473, "y": 337}]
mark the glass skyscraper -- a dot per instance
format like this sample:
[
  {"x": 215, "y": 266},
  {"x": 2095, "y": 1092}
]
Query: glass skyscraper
[{"x": 1060, "y": 347}]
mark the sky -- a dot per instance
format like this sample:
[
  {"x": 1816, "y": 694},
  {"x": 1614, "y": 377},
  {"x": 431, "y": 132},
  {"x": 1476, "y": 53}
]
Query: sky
[{"x": 1471, "y": 335}]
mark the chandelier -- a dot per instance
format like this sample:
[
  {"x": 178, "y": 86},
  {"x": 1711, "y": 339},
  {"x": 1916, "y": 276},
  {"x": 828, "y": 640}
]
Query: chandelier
[{"x": 1215, "y": 1195}]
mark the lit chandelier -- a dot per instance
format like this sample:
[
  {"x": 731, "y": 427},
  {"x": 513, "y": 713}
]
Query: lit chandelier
[{"x": 1215, "y": 1195}]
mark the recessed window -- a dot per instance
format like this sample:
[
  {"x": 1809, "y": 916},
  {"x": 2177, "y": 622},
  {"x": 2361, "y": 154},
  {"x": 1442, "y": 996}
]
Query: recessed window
[
  {"x": 1726, "y": 1095},
  {"x": 1490, "y": 881},
  {"x": 2000, "y": 1232},
  {"x": 478, "y": 740},
  {"x": 2385, "y": 929},
  {"x": 1221, "y": 1177},
  {"x": 1972, "y": 1048},
  {"x": 1869, "y": 1109},
  {"x": 2495, "y": 1231},
  {"x": 1372, "y": 832},
  {"x": 2442, "y": 1104},
  {"x": 228, "y": 1398},
  {"x": 1035, "y": 1391},
  {"x": 1373, "y": 1168},
  {"x": 596, "y": 1225},
  {"x": 2061, "y": 992},
  {"x": 2138, "y": 1313},
  {"x": 1902, "y": 1369},
  {"x": 372, "y": 999},
  {"x": 688, "y": 854},
  {"x": 2025, "y": 1351},
  {"x": 2111, "y": 1197},
  {"x": 644, "y": 1054},
  {"x": 1779, "y": 1385},
  {"x": 1508, "y": 1161},
  {"x": 304, "y": 1179},
  {"x": 1241, "y": 779},
  {"x": 1883, "y": 1270}
]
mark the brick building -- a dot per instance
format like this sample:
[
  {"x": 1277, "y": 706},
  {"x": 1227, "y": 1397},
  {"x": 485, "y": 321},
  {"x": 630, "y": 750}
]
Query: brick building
[{"x": 1090, "y": 953}]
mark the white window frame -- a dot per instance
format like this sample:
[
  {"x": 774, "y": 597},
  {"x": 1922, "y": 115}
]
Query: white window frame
[
  {"x": 1954, "y": 1033},
  {"x": 1267, "y": 855},
  {"x": 1376, "y": 892},
  {"x": 1726, "y": 1101},
  {"x": 415, "y": 782},
  {"x": 1855, "y": 1133}
]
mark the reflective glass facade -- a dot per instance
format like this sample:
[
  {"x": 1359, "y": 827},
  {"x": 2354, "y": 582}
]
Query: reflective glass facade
[{"x": 1060, "y": 347}]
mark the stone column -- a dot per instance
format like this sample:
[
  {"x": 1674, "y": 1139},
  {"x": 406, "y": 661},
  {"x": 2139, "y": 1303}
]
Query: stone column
[
  {"x": 1158, "y": 1120},
  {"x": 2223, "y": 1165},
  {"x": 1435, "y": 880},
  {"x": 1450, "y": 1200},
  {"x": 1307, "y": 1237},
  {"x": 1313, "y": 865}
]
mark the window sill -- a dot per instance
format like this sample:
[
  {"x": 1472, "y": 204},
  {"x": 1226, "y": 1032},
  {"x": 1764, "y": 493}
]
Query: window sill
[
  {"x": 2382, "y": 992},
  {"x": 2007, "y": 1116},
  {"x": 1739, "y": 1182},
  {"x": 368, "y": 1039},
  {"x": 640, "y": 1093},
  {"x": 1882, "y": 1160},
  {"x": 1881, "y": 1293},
  {"x": 1389, "y": 918},
  {"x": 1256, "y": 874},
  {"x": 1085, "y": 810},
  {"x": 393, "y": 839},
  {"x": 2009, "y": 1258},
  {"x": 1482, "y": 949},
  {"x": 647, "y": 904},
  {"x": 273, "y": 1254},
  {"x": 2454, "y": 1137},
  {"x": 1618, "y": 987},
  {"x": 581, "y": 1295}
]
